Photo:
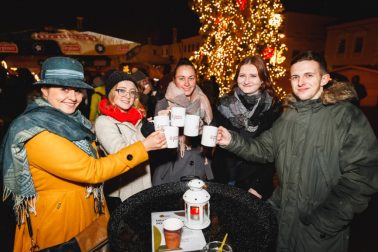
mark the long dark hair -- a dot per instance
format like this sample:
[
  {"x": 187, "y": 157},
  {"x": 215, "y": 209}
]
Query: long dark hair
[{"x": 183, "y": 62}]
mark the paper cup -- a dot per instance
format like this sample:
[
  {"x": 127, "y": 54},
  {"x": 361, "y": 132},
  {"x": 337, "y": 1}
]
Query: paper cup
[
  {"x": 172, "y": 232},
  {"x": 178, "y": 116},
  {"x": 161, "y": 121},
  {"x": 191, "y": 126},
  {"x": 171, "y": 135},
  {"x": 209, "y": 136}
]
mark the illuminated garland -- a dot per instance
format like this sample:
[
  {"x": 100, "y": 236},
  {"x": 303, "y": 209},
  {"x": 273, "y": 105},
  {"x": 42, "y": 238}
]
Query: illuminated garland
[{"x": 232, "y": 30}]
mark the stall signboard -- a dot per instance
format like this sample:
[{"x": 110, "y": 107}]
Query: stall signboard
[
  {"x": 6, "y": 47},
  {"x": 72, "y": 42}
]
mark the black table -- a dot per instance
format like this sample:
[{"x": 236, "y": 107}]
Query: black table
[{"x": 249, "y": 222}]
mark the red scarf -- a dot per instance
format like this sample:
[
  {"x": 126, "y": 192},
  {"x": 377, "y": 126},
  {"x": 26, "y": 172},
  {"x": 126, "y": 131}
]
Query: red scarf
[{"x": 132, "y": 115}]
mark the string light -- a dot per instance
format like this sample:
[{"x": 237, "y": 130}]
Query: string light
[{"x": 232, "y": 30}]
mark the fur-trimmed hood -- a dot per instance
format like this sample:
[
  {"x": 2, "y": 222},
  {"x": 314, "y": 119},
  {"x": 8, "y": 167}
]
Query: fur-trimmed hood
[{"x": 333, "y": 92}]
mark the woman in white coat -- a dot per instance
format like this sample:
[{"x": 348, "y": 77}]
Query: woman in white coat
[{"x": 118, "y": 126}]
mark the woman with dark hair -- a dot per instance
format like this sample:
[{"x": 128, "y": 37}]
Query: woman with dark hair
[
  {"x": 190, "y": 159},
  {"x": 249, "y": 110}
]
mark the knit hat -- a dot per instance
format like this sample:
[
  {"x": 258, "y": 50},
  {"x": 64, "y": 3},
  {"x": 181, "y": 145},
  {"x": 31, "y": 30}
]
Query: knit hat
[
  {"x": 138, "y": 76},
  {"x": 63, "y": 71},
  {"x": 116, "y": 77}
]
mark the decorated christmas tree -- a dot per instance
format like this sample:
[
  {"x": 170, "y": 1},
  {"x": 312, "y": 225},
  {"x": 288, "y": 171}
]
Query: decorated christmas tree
[{"x": 234, "y": 29}]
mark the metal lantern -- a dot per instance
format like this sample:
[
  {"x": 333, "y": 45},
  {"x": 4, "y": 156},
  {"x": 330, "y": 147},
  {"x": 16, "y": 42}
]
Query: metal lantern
[{"x": 197, "y": 205}]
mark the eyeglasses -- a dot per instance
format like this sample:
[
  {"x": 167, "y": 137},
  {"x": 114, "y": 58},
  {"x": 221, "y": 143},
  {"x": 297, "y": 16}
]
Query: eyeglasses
[{"x": 124, "y": 92}]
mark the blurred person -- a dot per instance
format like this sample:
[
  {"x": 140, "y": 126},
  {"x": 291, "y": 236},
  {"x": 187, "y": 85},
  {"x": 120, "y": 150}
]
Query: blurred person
[
  {"x": 50, "y": 164},
  {"x": 97, "y": 95},
  {"x": 326, "y": 155},
  {"x": 189, "y": 159},
  {"x": 163, "y": 83},
  {"x": 118, "y": 126},
  {"x": 147, "y": 94},
  {"x": 249, "y": 110},
  {"x": 211, "y": 89},
  {"x": 360, "y": 89}
]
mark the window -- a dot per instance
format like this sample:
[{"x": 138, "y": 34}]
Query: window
[
  {"x": 341, "y": 47},
  {"x": 358, "y": 44}
]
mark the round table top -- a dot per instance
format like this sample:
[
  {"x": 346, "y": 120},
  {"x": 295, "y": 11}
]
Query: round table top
[{"x": 250, "y": 223}]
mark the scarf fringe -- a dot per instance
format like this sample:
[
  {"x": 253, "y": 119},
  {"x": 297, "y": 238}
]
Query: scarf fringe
[
  {"x": 98, "y": 195},
  {"x": 21, "y": 204}
]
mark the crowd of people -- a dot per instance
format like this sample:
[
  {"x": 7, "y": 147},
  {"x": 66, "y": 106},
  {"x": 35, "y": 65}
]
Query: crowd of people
[{"x": 315, "y": 141}]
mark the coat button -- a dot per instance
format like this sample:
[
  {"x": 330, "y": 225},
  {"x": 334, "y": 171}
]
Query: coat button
[
  {"x": 129, "y": 157},
  {"x": 191, "y": 162}
]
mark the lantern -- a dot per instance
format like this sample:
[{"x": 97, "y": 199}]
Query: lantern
[{"x": 197, "y": 205}]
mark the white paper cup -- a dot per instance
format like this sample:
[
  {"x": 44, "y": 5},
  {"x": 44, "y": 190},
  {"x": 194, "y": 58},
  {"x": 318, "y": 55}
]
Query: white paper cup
[
  {"x": 191, "y": 126},
  {"x": 209, "y": 136},
  {"x": 171, "y": 135},
  {"x": 178, "y": 116},
  {"x": 172, "y": 232},
  {"x": 161, "y": 121}
]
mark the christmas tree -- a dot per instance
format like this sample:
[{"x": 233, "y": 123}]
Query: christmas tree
[{"x": 234, "y": 29}]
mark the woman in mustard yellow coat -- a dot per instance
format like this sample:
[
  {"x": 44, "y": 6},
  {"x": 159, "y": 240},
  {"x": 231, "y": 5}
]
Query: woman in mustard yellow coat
[{"x": 50, "y": 164}]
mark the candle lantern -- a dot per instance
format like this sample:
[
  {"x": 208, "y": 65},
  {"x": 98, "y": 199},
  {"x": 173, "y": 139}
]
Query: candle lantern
[{"x": 197, "y": 205}]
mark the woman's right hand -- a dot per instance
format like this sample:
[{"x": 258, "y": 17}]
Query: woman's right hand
[
  {"x": 155, "y": 141},
  {"x": 223, "y": 137}
]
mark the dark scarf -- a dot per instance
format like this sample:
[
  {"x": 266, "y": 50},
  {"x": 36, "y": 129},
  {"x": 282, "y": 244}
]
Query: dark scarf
[
  {"x": 244, "y": 111},
  {"x": 133, "y": 115},
  {"x": 38, "y": 116}
]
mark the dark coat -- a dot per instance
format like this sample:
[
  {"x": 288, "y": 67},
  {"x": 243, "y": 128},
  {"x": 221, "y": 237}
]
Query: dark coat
[
  {"x": 168, "y": 166},
  {"x": 326, "y": 157},
  {"x": 229, "y": 168}
]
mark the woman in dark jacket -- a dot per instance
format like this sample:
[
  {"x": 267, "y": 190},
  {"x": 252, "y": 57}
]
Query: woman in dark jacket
[{"x": 249, "y": 110}]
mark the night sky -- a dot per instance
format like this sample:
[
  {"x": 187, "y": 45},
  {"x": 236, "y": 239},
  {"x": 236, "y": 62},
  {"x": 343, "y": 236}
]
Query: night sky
[{"x": 136, "y": 20}]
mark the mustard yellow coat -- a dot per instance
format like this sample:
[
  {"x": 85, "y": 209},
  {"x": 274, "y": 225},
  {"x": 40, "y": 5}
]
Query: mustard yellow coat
[{"x": 60, "y": 172}]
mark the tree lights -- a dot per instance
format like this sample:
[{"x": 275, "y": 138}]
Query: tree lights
[{"x": 232, "y": 30}]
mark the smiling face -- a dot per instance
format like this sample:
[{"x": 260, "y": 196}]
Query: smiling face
[
  {"x": 248, "y": 79},
  {"x": 124, "y": 95},
  {"x": 185, "y": 79},
  {"x": 307, "y": 79},
  {"x": 66, "y": 99}
]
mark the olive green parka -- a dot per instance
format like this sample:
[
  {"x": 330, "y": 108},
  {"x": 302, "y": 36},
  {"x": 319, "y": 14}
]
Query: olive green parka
[{"x": 326, "y": 155}]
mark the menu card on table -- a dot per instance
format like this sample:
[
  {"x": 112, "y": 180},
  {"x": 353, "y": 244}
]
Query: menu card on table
[{"x": 191, "y": 240}]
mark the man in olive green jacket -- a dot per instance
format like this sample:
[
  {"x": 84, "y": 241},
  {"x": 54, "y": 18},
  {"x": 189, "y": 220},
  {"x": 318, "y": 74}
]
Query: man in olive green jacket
[{"x": 326, "y": 156}]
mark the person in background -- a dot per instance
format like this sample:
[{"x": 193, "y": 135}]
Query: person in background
[
  {"x": 119, "y": 126},
  {"x": 249, "y": 110},
  {"x": 97, "y": 95},
  {"x": 146, "y": 91},
  {"x": 211, "y": 89},
  {"x": 50, "y": 164},
  {"x": 189, "y": 159},
  {"x": 360, "y": 89},
  {"x": 326, "y": 155}
]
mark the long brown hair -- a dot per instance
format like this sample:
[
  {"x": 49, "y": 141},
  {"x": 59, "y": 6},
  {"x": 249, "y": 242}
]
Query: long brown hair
[{"x": 262, "y": 71}]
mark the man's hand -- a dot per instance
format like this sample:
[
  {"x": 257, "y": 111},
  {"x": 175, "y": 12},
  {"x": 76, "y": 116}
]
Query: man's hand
[{"x": 223, "y": 137}]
